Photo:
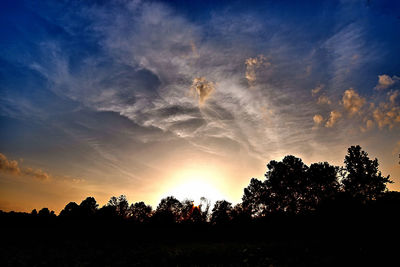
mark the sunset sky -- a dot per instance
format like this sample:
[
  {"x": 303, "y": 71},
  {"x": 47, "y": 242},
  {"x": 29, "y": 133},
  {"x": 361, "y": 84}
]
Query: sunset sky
[{"x": 189, "y": 98}]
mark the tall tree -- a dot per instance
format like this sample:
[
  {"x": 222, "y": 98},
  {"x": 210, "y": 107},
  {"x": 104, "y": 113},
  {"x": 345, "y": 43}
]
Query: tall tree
[
  {"x": 120, "y": 204},
  {"x": 322, "y": 182},
  {"x": 88, "y": 207},
  {"x": 70, "y": 210},
  {"x": 222, "y": 212},
  {"x": 363, "y": 180},
  {"x": 287, "y": 185},
  {"x": 168, "y": 211},
  {"x": 255, "y": 198},
  {"x": 140, "y": 212}
]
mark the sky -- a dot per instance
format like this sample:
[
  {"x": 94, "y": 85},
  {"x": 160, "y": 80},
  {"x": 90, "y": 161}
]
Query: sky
[{"x": 189, "y": 98}]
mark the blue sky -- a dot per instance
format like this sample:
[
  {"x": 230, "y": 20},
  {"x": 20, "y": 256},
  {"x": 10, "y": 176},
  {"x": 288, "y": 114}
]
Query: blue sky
[{"x": 134, "y": 97}]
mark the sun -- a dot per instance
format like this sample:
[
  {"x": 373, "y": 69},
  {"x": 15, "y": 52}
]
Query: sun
[{"x": 194, "y": 184}]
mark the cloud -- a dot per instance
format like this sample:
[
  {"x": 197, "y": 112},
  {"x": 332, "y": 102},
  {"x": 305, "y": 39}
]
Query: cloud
[
  {"x": 352, "y": 101},
  {"x": 385, "y": 116},
  {"x": 252, "y": 64},
  {"x": 384, "y": 81},
  {"x": 324, "y": 100},
  {"x": 334, "y": 116},
  {"x": 393, "y": 96},
  {"x": 317, "y": 89},
  {"x": 38, "y": 174},
  {"x": 387, "y": 113},
  {"x": 202, "y": 88},
  {"x": 12, "y": 167},
  {"x": 396, "y": 149},
  {"x": 318, "y": 119},
  {"x": 9, "y": 166},
  {"x": 146, "y": 57},
  {"x": 368, "y": 125}
]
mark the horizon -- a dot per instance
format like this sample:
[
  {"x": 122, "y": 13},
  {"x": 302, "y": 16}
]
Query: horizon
[{"x": 155, "y": 98}]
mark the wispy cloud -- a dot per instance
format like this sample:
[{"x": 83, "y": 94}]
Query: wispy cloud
[
  {"x": 317, "y": 89},
  {"x": 128, "y": 82},
  {"x": 252, "y": 65}
]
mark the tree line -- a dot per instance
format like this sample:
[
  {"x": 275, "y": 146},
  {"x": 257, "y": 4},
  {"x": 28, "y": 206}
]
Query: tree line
[{"x": 290, "y": 188}]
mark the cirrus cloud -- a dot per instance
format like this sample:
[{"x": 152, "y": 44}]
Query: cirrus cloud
[{"x": 252, "y": 64}]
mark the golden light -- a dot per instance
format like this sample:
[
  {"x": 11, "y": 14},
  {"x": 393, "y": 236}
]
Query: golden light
[{"x": 194, "y": 184}]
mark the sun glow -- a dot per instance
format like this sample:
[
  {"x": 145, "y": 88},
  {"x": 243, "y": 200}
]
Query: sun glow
[{"x": 195, "y": 184}]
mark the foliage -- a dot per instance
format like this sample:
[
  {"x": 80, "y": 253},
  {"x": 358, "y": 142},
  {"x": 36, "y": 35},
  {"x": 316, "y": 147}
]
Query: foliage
[
  {"x": 290, "y": 188},
  {"x": 363, "y": 180}
]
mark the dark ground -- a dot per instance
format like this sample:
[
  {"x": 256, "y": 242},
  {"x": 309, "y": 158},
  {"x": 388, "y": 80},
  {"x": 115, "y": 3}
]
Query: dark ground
[{"x": 122, "y": 244}]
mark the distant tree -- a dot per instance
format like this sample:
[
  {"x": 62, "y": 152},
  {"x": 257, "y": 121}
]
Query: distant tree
[
  {"x": 240, "y": 214},
  {"x": 120, "y": 204},
  {"x": 222, "y": 212},
  {"x": 290, "y": 187},
  {"x": 168, "y": 211},
  {"x": 363, "y": 180},
  {"x": 34, "y": 212},
  {"x": 204, "y": 208},
  {"x": 88, "y": 207},
  {"x": 45, "y": 212},
  {"x": 287, "y": 185},
  {"x": 194, "y": 214},
  {"x": 107, "y": 212},
  {"x": 140, "y": 212},
  {"x": 70, "y": 210},
  {"x": 187, "y": 210},
  {"x": 255, "y": 198},
  {"x": 322, "y": 182}
]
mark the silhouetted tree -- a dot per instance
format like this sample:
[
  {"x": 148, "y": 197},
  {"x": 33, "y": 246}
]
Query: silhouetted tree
[
  {"x": 186, "y": 210},
  {"x": 34, "y": 212},
  {"x": 140, "y": 212},
  {"x": 290, "y": 187},
  {"x": 363, "y": 181},
  {"x": 107, "y": 212},
  {"x": 255, "y": 198},
  {"x": 70, "y": 210},
  {"x": 322, "y": 182},
  {"x": 204, "y": 208},
  {"x": 45, "y": 212},
  {"x": 168, "y": 211},
  {"x": 88, "y": 207},
  {"x": 120, "y": 204},
  {"x": 194, "y": 214},
  {"x": 221, "y": 213},
  {"x": 240, "y": 214},
  {"x": 287, "y": 185}
]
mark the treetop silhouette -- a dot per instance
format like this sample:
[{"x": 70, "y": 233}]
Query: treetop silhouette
[{"x": 290, "y": 187}]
